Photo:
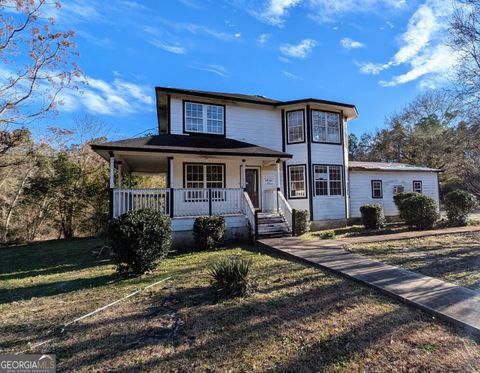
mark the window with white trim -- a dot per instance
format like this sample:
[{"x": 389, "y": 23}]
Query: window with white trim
[
  {"x": 204, "y": 118},
  {"x": 295, "y": 126},
  {"x": 377, "y": 190},
  {"x": 296, "y": 179},
  {"x": 328, "y": 180},
  {"x": 325, "y": 126}
]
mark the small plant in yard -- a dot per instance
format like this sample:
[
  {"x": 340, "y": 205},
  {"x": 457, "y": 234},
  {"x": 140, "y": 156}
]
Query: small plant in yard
[
  {"x": 418, "y": 211},
  {"x": 139, "y": 239},
  {"x": 327, "y": 235},
  {"x": 459, "y": 204},
  {"x": 373, "y": 216},
  {"x": 231, "y": 277},
  {"x": 209, "y": 231},
  {"x": 302, "y": 225}
]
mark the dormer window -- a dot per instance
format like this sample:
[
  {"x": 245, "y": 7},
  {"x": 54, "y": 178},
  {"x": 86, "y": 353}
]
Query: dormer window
[{"x": 204, "y": 118}]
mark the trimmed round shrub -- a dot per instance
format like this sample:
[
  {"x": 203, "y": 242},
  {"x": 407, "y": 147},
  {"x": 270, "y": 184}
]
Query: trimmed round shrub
[
  {"x": 139, "y": 239},
  {"x": 373, "y": 216},
  {"x": 302, "y": 222},
  {"x": 419, "y": 211},
  {"x": 230, "y": 277},
  {"x": 400, "y": 197},
  {"x": 459, "y": 204},
  {"x": 209, "y": 231}
]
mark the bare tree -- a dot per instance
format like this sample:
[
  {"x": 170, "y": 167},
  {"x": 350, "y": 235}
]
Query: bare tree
[
  {"x": 39, "y": 62},
  {"x": 465, "y": 39}
]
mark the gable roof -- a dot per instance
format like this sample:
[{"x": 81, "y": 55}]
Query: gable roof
[
  {"x": 198, "y": 144},
  {"x": 253, "y": 99},
  {"x": 388, "y": 166}
]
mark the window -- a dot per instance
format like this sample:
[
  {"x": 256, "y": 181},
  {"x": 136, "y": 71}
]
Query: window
[
  {"x": 377, "y": 190},
  {"x": 325, "y": 127},
  {"x": 296, "y": 177},
  {"x": 204, "y": 118},
  {"x": 295, "y": 126},
  {"x": 417, "y": 186},
  {"x": 204, "y": 176},
  {"x": 328, "y": 180},
  {"x": 398, "y": 189}
]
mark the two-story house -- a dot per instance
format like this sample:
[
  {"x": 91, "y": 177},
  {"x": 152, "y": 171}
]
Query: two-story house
[{"x": 254, "y": 160}]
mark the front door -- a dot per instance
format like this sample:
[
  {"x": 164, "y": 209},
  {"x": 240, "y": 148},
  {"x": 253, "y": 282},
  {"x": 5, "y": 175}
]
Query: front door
[{"x": 252, "y": 185}]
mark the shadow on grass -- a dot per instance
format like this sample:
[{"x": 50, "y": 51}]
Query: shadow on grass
[{"x": 360, "y": 231}]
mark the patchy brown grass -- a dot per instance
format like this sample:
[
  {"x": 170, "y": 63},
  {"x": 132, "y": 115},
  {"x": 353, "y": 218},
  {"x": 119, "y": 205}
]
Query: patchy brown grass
[
  {"x": 358, "y": 231},
  {"x": 299, "y": 318},
  {"x": 454, "y": 258}
]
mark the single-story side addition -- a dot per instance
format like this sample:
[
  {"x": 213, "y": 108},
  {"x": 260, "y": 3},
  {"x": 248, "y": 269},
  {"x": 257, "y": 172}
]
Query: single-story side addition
[{"x": 253, "y": 160}]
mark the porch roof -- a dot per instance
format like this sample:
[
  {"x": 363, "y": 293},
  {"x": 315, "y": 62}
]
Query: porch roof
[{"x": 184, "y": 144}]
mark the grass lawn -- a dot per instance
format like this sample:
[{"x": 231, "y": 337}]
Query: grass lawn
[
  {"x": 358, "y": 231},
  {"x": 454, "y": 258},
  {"x": 299, "y": 319}
]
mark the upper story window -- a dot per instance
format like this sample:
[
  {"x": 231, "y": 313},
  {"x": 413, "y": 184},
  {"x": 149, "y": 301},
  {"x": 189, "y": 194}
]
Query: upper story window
[
  {"x": 204, "y": 118},
  {"x": 326, "y": 127},
  {"x": 377, "y": 189},
  {"x": 328, "y": 180},
  {"x": 417, "y": 186},
  {"x": 295, "y": 127}
]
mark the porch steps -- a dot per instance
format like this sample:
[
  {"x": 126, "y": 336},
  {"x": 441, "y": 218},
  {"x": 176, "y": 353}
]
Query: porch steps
[{"x": 271, "y": 225}]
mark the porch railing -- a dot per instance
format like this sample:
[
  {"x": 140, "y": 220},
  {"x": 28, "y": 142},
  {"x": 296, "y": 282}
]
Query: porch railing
[
  {"x": 284, "y": 209},
  {"x": 249, "y": 210},
  {"x": 179, "y": 202}
]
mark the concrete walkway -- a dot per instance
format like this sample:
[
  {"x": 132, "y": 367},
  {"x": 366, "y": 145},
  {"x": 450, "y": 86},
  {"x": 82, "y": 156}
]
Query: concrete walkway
[{"x": 442, "y": 299}]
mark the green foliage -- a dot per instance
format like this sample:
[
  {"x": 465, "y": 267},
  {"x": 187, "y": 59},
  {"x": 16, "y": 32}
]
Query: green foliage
[
  {"x": 400, "y": 197},
  {"x": 230, "y": 277},
  {"x": 419, "y": 211},
  {"x": 302, "y": 222},
  {"x": 139, "y": 240},
  {"x": 209, "y": 231},
  {"x": 459, "y": 204},
  {"x": 373, "y": 216},
  {"x": 327, "y": 235}
]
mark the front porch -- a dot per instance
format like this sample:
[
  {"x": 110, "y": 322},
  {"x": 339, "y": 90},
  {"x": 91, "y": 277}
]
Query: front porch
[{"x": 240, "y": 184}]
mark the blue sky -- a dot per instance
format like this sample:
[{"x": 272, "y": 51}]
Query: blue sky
[{"x": 375, "y": 54}]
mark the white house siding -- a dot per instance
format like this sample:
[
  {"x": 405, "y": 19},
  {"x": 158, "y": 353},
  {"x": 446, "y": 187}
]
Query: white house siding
[
  {"x": 256, "y": 124},
  {"x": 361, "y": 190}
]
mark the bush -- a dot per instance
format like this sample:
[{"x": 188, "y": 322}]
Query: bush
[
  {"x": 327, "y": 235},
  {"x": 400, "y": 197},
  {"x": 230, "y": 277},
  {"x": 419, "y": 211},
  {"x": 459, "y": 204},
  {"x": 302, "y": 222},
  {"x": 209, "y": 231},
  {"x": 373, "y": 216},
  {"x": 139, "y": 239}
]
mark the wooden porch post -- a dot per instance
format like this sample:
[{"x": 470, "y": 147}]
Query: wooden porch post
[
  {"x": 170, "y": 185},
  {"x": 243, "y": 182},
  {"x": 278, "y": 183},
  {"x": 112, "y": 185}
]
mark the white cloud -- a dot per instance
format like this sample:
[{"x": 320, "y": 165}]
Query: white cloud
[
  {"x": 329, "y": 10},
  {"x": 422, "y": 48},
  {"x": 301, "y": 50},
  {"x": 238, "y": 35},
  {"x": 290, "y": 75},
  {"x": 284, "y": 59},
  {"x": 263, "y": 39},
  {"x": 274, "y": 11},
  {"x": 215, "y": 69},
  {"x": 348, "y": 43},
  {"x": 119, "y": 97},
  {"x": 168, "y": 47}
]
